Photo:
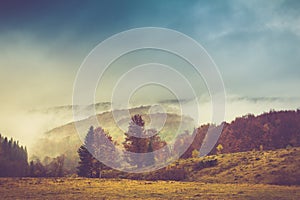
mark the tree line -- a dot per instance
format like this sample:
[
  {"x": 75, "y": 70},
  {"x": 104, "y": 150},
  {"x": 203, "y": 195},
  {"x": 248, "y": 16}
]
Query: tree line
[
  {"x": 13, "y": 158},
  {"x": 268, "y": 131},
  {"x": 14, "y": 162},
  {"x": 50, "y": 167}
]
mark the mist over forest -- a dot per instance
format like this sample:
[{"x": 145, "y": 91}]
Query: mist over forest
[{"x": 32, "y": 124}]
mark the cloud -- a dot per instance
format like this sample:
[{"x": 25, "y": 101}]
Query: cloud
[
  {"x": 254, "y": 43},
  {"x": 240, "y": 106}
]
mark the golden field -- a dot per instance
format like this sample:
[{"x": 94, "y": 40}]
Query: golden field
[{"x": 82, "y": 188}]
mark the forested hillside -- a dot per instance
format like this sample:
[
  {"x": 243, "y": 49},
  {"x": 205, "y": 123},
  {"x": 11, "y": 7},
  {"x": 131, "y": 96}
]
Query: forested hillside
[{"x": 268, "y": 131}]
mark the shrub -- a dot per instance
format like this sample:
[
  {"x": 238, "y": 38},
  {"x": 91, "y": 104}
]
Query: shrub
[{"x": 206, "y": 163}]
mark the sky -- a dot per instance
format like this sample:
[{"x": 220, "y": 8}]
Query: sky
[{"x": 254, "y": 43}]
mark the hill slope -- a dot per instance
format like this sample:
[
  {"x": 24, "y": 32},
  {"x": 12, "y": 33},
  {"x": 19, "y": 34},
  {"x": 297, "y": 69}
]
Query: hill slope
[
  {"x": 271, "y": 167},
  {"x": 280, "y": 167},
  {"x": 268, "y": 131},
  {"x": 65, "y": 139}
]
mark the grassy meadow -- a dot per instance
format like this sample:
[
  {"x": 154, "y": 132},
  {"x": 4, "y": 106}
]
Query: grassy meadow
[
  {"x": 244, "y": 175},
  {"x": 82, "y": 188}
]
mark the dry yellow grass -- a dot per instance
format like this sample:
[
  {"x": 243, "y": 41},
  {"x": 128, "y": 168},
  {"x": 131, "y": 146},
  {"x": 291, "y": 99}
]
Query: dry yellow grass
[
  {"x": 278, "y": 167},
  {"x": 80, "y": 188},
  {"x": 281, "y": 167}
]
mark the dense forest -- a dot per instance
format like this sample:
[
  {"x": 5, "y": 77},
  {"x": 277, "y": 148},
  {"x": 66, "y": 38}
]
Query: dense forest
[
  {"x": 13, "y": 158},
  {"x": 14, "y": 162},
  {"x": 268, "y": 131}
]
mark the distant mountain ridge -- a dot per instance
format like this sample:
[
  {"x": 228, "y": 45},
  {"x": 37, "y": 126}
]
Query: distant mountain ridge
[{"x": 65, "y": 139}]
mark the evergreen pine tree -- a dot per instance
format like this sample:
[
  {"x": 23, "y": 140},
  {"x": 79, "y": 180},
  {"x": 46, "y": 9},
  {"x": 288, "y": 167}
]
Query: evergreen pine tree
[
  {"x": 136, "y": 141},
  {"x": 104, "y": 149},
  {"x": 85, "y": 167},
  {"x": 142, "y": 141},
  {"x": 93, "y": 148}
]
